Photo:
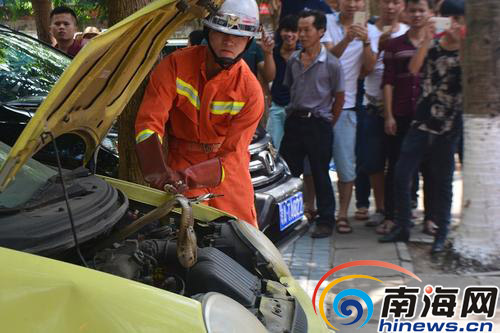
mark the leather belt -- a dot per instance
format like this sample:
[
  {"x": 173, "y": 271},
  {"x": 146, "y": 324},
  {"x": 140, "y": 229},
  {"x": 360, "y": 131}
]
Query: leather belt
[
  {"x": 302, "y": 113},
  {"x": 374, "y": 101},
  {"x": 181, "y": 144}
]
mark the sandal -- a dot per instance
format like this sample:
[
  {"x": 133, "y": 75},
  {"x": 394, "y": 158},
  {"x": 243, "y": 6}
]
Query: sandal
[
  {"x": 385, "y": 227},
  {"x": 361, "y": 214},
  {"x": 310, "y": 214},
  {"x": 342, "y": 226},
  {"x": 430, "y": 228}
]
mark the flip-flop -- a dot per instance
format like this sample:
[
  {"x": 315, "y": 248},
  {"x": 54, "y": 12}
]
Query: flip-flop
[
  {"x": 342, "y": 226},
  {"x": 361, "y": 214}
]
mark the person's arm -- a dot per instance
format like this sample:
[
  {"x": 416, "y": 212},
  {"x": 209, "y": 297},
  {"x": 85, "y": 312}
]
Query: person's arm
[
  {"x": 242, "y": 129},
  {"x": 158, "y": 99},
  {"x": 388, "y": 82},
  {"x": 339, "y": 48},
  {"x": 337, "y": 106},
  {"x": 267, "y": 67},
  {"x": 390, "y": 126},
  {"x": 338, "y": 82},
  {"x": 369, "y": 48},
  {"x": 418, "y": 59}
]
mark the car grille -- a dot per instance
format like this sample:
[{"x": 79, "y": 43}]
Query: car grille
[
  {"x": 266, "y": 166},
  {"x": 299, "y": 320}
]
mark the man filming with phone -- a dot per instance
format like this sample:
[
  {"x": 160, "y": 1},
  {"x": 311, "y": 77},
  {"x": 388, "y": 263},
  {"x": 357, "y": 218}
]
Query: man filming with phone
[{"x": 348, "y": 39}]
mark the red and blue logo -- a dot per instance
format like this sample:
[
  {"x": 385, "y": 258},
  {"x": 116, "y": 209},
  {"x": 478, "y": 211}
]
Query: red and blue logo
[{"x": 351, "y": 296}]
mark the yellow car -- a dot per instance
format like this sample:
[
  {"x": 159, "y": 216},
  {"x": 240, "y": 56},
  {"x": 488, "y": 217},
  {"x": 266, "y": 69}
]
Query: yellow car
[{"x": 154, "y": 262}]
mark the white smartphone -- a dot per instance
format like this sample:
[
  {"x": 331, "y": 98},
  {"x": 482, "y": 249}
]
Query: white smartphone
[
  {"x": 441, "y": 23},
  {"x": 359, "y": 18}
]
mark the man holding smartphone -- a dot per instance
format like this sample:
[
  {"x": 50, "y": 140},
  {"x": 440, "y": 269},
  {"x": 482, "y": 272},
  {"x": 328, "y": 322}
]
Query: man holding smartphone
[
  {"x": 437, "y": 125},
  {"x": 347, "y": 38}
]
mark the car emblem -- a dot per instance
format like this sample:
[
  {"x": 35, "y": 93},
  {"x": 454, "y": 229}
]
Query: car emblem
[{"x": 268, "y": 160}]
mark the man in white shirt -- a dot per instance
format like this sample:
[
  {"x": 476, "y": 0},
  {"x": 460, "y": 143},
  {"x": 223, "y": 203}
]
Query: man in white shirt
[
  {"x": 355, "y": 48},
  {"x": 372, "y": 156}
]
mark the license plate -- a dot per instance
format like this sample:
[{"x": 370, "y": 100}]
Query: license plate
[{"x": 291, "y": 210}]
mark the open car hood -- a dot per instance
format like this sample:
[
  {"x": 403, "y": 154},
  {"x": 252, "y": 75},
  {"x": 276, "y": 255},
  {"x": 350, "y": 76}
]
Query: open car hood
[{"x": 101, "y": 79}]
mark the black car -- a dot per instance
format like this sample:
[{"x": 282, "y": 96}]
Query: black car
[{"x": 28, "y": 70}]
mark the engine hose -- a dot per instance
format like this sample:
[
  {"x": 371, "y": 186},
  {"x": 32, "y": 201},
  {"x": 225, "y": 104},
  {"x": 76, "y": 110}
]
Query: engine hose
[{"x": 186, "y": 237}]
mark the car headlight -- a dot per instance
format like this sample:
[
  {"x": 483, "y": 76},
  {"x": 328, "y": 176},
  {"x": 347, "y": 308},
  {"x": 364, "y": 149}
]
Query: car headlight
[
  {"x": 262, "y": 244},
  {"x": 223, "y": 314}
]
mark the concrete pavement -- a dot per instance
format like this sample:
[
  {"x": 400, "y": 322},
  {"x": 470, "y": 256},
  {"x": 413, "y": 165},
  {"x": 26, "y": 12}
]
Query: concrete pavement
[{"x": 309, "y": 259}]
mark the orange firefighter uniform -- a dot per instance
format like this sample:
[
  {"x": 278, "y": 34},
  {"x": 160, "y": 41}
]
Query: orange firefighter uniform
[{"x": 205, "y": 119}]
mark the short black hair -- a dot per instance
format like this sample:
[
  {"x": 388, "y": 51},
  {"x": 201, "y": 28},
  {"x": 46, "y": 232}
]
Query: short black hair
[
  {"x": 319, "y": 18},
  {"x": 452, "y": 8},
  {"x": 63, "y": 10},
  {"x": 290, "y": 23},
  {"x": 196, "y": 37},
  {"x": 430, "y": 3}
]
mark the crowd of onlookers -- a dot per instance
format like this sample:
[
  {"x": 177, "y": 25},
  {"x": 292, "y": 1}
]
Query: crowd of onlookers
[{"x": 381, "y": 96}]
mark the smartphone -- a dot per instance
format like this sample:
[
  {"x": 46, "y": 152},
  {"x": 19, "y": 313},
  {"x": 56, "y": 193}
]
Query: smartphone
[
  {"x": 441, "y": 23},
  {"x": 359, "y": 18}
]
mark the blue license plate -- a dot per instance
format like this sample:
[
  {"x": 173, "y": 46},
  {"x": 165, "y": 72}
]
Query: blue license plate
[{"x": 291, "y": 210}]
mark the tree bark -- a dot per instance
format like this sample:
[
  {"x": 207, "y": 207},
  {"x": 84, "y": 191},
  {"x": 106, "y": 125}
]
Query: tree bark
[
  {"x": 129, "y": 165},
  {"x": 479, "y": 233},
  {"x": 42, "y": 10}
]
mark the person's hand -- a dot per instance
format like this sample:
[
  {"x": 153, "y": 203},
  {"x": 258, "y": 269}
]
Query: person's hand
[
  {"x": 350, "y": 33},
  {"x": 390, "y": 126},
  {"x": 383, "y": 40},
  {"x": 360, "y": 32},
  {"x": 267, "y": 44},
  {"x": 429, "y": 31}
]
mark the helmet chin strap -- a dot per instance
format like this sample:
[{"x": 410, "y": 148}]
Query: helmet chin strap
[{"x": 225, "y": 62}]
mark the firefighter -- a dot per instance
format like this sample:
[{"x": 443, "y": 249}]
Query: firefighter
[{"x": 206, "y": 103}]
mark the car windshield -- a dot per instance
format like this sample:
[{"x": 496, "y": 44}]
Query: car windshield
[
  {"x": 27, "y": 67},
  {"x": 28, "y": 180}
]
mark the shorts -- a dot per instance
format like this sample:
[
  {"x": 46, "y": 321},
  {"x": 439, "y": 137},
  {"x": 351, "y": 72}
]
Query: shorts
[{"x": 344, "y": 145}]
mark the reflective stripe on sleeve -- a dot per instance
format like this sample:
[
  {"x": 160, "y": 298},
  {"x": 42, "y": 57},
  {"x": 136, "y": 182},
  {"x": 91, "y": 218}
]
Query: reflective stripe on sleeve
[
  {"x": 187, "y": 90},
  {"x": 143, "y": 135},
  {"x": 221, "y": 108}
]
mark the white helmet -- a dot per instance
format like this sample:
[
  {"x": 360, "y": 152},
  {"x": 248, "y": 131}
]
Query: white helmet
[{"x": 235, "y": 17}]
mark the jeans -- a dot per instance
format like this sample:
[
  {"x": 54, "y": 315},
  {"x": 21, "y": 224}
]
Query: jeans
[
  {"x": 392, "y": 149},
  {"x": 276, "y": 123},
  {"x": 437, "y": 152},
  {"x": 311, "y": 137}
]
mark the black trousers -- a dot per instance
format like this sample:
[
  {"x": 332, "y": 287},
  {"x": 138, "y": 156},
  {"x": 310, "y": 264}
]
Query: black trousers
[{"x": 311, "y": 137}]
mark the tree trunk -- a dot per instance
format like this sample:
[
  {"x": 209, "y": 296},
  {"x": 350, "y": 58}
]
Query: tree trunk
[
  {"x": 42, "y": 10},
  {"x": 129, "y": 165},
  {"x": 478, "y": 236}
]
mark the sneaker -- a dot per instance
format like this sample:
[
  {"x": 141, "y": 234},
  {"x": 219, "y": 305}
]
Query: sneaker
[{"x": 375, "y": 219}]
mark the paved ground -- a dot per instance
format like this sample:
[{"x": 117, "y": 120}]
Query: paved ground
[{"x": 309, "y": 259}]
